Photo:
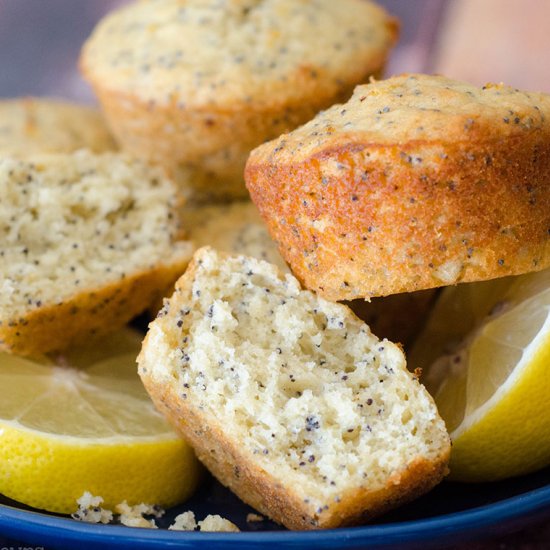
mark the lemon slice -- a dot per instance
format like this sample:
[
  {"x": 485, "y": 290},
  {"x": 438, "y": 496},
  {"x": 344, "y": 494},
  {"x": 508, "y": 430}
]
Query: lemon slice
[
  {"x": 457, "y": 311},
  {"x": 66, "y": 430},
  {"x": 493, "y": 389}
]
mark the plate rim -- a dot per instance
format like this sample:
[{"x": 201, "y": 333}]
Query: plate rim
[{"x": 474, "y": 519}]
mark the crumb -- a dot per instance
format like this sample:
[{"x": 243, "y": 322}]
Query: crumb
[
  {"x": 217, "y": 523},
  {"x": 133, "y": 516},
  {"x": 250, "y": 518},
  {"x": 184, "y": 522},
  {"x": 90, "y": 511}
]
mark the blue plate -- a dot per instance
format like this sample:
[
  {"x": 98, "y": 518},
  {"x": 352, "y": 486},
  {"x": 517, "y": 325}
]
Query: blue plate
[{"x": 451, "y": 512}]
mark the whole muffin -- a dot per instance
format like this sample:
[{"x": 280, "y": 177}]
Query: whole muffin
[
  {"x": 195, "y": 85},
  {"x": 40, "y": 125},
  {"x": 417, "y": 182}
]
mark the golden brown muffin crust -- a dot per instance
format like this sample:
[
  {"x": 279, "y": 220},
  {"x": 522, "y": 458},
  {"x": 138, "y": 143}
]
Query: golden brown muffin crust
[
  {"x": 88, "y": 313},
  {"x": 416, "y": 182}
]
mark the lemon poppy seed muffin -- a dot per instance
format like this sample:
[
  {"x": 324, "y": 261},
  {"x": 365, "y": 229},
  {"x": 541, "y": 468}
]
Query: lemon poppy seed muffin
[
  {"x": 88, "y": 242},
  {"x": 39, "y": 125},
  {"x": 416, "y": 182},
  {"x": 196, "y": 84},
  {"x": 289, "y": 399}
]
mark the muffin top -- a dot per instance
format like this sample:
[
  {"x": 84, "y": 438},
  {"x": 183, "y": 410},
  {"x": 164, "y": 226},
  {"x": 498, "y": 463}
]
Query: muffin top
[
  {"x": 416, "y": 109},
  {"x": 37, "y": 125},
  {"x": 219, "y": 52}
]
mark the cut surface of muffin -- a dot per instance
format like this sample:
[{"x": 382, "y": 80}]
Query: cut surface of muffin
[
  {"x": 288, "y": 399},
  {"x": 88, "y": 241}
]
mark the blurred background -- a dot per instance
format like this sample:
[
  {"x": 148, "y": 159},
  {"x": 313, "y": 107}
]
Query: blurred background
[{"x": 474, "y": 40}]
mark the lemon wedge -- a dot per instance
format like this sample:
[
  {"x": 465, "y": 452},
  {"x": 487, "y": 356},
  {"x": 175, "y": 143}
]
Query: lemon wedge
[
  {"x": 67, "y": 430},
  {"x": 493, "y": 387}
]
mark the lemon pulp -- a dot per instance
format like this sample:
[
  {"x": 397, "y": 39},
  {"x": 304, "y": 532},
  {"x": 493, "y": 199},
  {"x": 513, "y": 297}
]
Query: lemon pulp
[
  {"x": 492, "y": 388},
  {"x": 67, "y": 430}
]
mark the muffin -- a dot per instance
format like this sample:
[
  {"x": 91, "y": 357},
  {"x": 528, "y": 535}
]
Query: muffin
[
  {"x": 195, "y": 85},
  {"x": 39, "y": 125},
  {"x": 288, "y": 399},
  {"x": 416, "y": 182}
]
